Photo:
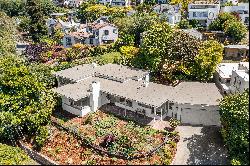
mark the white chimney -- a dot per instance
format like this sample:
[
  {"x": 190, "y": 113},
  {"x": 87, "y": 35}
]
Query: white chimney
[
  {"x": 94, "y": 96},
  {"x": 147, "y": 80}
]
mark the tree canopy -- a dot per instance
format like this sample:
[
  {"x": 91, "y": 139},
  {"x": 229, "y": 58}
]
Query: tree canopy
[
  {"x": 25, "y": 101},
  {"x": 234, "y": 111}
]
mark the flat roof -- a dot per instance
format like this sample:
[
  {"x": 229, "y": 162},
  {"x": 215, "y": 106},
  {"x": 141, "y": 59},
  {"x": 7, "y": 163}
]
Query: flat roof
[
  {"x": 119, "y": 72},
  {"x": 225, "y": 69},
  {"x": 243, "y": 74},
  {"x": 245, "y": 64},
  {"x": 197, "y": 93},
  {"x": 76, "y": 73},
  {"x": 237, "y": 46}
]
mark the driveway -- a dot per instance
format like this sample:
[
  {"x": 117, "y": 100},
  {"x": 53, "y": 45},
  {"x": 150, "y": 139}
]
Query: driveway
[{"x": 200, "y": 146}]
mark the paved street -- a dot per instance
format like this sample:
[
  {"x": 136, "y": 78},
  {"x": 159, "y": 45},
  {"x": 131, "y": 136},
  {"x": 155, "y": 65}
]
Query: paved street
[{"x": 200, "y": 146}]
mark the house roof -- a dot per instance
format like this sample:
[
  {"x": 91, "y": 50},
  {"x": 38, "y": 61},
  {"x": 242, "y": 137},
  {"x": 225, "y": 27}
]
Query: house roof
[
  {"x": 237, "y": 46},
  {"x": 118, "y": 72},
  {"x": 154, "y": 94},
  {"x": 196, "y": 93},
  {"x": 245, "y": 64},
  {"x": 100, "y": 25},
  {"x": 225, "y": 69},
  {"x": 79, "y": 34},
  {"x": 243, "y": 74},
  {"x": 76, "y": 73}
]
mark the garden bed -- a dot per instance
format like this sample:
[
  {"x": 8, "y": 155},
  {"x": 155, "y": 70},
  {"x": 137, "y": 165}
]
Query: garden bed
[{"x": 129, "y": 138}]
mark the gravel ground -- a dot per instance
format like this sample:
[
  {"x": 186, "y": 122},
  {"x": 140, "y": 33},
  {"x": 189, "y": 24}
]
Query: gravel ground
[{"x": 200, "y": 146}]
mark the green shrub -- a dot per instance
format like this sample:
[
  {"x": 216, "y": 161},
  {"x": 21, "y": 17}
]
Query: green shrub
[
  {"x": 41, "y": 137},
  {"x": 235, "y": 162},
  {"x": 184, "y": 24},
  {"x": 12, "y": 155},
  {"x": 174, "y": 122},
  {"x": 236, "y": 30},
  {"x": 234, "y": 111}
]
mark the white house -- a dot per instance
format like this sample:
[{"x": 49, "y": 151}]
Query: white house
[
  {"x": 170, "y": 12},
  {"x": 120, "y": 3},
  {"x": 234, "y": 2},
  {"x": 241, "y": 8},
  {"x": 97, "y": 33},
  {"x": 115, "y": 2},
  {"x": 232, "y": 77},
  {"x": 85, "y": 88},
  {"x": 204, "y": 12},
  {"x": 73, "y": 3}
]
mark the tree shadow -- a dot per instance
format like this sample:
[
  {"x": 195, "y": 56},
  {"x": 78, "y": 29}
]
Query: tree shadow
[{"x": 207, "y": 148}]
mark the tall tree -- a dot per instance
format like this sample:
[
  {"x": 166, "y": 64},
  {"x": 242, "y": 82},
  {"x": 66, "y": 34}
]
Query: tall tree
[
  {"x": 210, "y": 54},
  {"x": 235, "y": 30},
  {"x": 38, "y": 27},
  {"x": 26, "y": 102},
  {"x": 218, "y": 23}
]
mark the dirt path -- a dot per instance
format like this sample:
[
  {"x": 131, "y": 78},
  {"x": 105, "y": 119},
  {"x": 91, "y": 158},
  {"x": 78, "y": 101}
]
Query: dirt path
[{"x": 200, "y": 146}]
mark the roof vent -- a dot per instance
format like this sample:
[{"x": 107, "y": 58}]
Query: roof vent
[{"x": 94, "y": 64}]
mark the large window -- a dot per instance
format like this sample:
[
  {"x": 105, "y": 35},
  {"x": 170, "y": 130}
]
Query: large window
[{"x": 199, "y": 14}]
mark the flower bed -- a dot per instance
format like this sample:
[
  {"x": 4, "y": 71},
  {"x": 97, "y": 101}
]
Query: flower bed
[{"x": 129, "y": 138}]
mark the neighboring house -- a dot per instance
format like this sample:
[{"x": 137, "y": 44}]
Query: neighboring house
[
  {"x": 194, "y": 33},
  {"x": 115, "y": 2},
  {"x": 241, "y": 8},
  {"x": 170, "y": 12},
  {"x": 97, "y": 33},
  {"x": 73, "y": 3},
  {"x": 56, "y": 23},
  {"x": 234, "y": 2},
  {"x": 236, "y": 52},
  {"x": 120, "y": 3},
  {"x": 85, "y": 88},
  {"x": 105, "y": 2},
  {"x": 162, "y": 1},
  {"x": 232, "y": 77},
  {"x": 72, "y": 38},
  {"x": 204, "y": 12}
]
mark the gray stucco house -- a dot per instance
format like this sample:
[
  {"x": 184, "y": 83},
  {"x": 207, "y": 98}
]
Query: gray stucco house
[{"x": 85, "y": 88}]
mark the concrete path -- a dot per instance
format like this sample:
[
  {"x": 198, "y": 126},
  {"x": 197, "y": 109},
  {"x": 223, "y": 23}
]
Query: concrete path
[{"x": 200, "y": 146}]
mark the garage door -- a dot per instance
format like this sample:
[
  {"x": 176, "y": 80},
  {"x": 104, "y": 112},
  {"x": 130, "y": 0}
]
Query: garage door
[{"x": 200, "y": 117}]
